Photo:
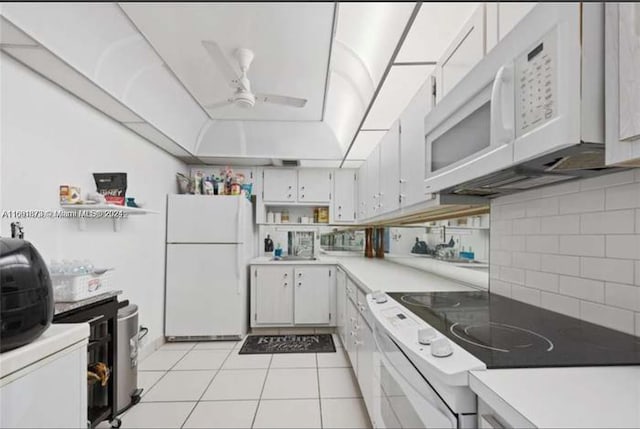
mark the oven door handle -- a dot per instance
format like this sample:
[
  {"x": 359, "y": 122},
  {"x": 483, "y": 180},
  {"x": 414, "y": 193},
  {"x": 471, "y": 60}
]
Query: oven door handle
[
  {"x": 502, "y": 107},
  {"x": 436, "y": 403}
]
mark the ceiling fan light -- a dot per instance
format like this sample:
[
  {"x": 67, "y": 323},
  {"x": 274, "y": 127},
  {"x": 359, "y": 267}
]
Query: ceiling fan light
[{"x": 246, "y": 100}]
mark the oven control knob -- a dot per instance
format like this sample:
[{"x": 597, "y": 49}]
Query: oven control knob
[
  {"x": 380, "y": 297},
  {"x": 441, "y": 348},
  {"x": 426, "y": 335}
]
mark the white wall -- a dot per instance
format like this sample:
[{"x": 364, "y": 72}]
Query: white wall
[
  {"x": 50, "y": 138},
  {"x": 572, "y": 248}
]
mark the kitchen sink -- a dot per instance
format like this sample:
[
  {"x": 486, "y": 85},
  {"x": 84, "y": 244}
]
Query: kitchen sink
[
  {"x": 459, "y": 260},
  {"x": 295, "y": 258}
]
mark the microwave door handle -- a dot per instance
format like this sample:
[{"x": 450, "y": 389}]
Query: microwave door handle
[{"x": 502, "y": 106}]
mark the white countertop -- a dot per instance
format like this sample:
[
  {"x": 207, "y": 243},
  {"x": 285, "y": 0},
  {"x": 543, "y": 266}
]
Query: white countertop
[
  {"x": 563, "y": 397},
  {"x": 268, "y": 260},
  {"x": 57, "y": 337},
  {"x": 388, "y": 275},
  {"x": 476, "y": 276},
  {"x": 380, "y": 274}
]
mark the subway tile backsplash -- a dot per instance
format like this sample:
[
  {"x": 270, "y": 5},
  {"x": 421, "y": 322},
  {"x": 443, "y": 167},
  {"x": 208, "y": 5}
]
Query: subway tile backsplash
[{"x": 572, "y": 248}]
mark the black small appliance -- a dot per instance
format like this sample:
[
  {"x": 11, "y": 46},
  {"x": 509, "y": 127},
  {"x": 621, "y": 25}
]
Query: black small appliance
[{"x": 26, "y": 295}]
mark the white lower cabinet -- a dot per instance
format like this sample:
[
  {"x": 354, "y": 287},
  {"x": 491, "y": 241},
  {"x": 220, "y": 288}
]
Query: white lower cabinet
[
  {"x": 312, "y": 295},
  {"x": 341, "y": 302},
  {"x": 358, "y": 341},
  {"x": 352, "y": 325},
  {"x": 366, "y": 349},
  {"x": 488, "y": 418},
  {"x": 49, "y": 393},
  {"x": 290, "y": 295},
  {"x": 272, "y": 295}
]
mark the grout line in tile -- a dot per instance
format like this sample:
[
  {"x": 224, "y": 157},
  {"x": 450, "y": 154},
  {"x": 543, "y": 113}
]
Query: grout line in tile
[
  {"x": 264, "y": 383},
  {"x": 319, "y": 400},
  {"x": 296, "y": 399},
  {"x": 157, "y": 381},
  {"x": 205, "y": 389}
]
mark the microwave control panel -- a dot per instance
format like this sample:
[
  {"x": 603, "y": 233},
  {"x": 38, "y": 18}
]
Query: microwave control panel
[{"x": 536, "y": 83}]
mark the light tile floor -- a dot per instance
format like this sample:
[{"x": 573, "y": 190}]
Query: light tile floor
[{"x": 209, "y": 385}]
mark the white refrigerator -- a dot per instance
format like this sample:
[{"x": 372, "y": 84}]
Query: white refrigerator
[{"x": 210, "y": 240}]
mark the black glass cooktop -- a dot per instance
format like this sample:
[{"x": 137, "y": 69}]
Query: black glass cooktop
[{"x": 505, "y": 333}]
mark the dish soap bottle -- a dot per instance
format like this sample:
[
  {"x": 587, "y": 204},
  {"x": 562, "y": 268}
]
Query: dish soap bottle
[{"x": 277, "y": 254}]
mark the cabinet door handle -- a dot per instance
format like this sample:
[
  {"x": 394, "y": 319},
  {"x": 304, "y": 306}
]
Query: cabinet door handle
[
  {"x": 492, "y": 421},
  {"x": 358, "y": 343},
  {"x": 286, "y": 274},
  {"x": 302, "y": 196},
  {"x": 299, "y": 284},
  {"x": 285, "y": 284}
]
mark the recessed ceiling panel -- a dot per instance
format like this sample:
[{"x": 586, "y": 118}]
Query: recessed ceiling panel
[
  {"x": 290, "y": 41},
  {"x": 365, "y": 142},
  {"x": 398, "y": 89},
  {"x": 57, "y": 71},
  {"x": 435, "y": 27},
  {"x": 11, "y": 35},
  {"x": 153, "y": 135}
]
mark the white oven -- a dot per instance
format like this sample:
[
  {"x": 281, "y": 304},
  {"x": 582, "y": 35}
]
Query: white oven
[
  {"x": 403, "y": 398},
  {"x": 539, "y": 90}
]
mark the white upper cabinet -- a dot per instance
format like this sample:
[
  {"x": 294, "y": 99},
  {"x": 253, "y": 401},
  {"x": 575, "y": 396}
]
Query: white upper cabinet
[
  {"x": 502, "y": 17},
  {"x": 389, "y": 173},
  {"x": 373, "y": 183},
  {"x": 510, "y": 14},
  {"x": 363, "y": 193},
  {"x": 464, "y": 53},
  {"x": 280, "y": 185},
  {"x": 344, "y": 196},
  {"x": 412, "y": 147},
  {"x": 305, "y": 185},
  {"x": 622, "y": 83},
  {"x": 314, "y": 185}
]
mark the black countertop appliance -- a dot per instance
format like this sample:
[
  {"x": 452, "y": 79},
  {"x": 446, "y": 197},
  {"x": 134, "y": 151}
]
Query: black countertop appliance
[{"x": 26, "y": 296}]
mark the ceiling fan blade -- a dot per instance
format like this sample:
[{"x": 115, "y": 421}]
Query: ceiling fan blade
[
  {"x": 281, "y": 99},
  {"x": 221, "y": 62},
  {"x": 217, "y": 104}
]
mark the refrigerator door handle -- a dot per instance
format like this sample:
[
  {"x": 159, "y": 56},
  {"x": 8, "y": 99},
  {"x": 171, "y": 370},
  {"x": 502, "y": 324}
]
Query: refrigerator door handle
[{"x": 240, "y": 220}]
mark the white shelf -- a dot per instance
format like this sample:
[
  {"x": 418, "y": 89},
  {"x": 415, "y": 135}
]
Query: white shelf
[{"x": 102, "y": 211}]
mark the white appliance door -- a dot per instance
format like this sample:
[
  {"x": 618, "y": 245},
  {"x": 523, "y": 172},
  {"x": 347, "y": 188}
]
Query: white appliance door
[
  {"x": 204, "y": 293},
  {"x": 204, "y": 219},
  {"x": 405, "y": 399},
  {"x": 466, "y": 145}
]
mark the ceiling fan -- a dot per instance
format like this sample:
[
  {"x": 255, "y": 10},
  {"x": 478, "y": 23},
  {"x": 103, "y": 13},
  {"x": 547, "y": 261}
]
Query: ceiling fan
[{"x": 243, "y": 96}]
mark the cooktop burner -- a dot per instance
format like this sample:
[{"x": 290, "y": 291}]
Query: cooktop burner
[
  {"x": 500, "y": 337},
  {"x": 505, "y": 333}
]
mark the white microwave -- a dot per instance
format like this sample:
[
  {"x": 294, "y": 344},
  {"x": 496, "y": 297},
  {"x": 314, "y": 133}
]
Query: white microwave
[{"x": 539, "y": 90}]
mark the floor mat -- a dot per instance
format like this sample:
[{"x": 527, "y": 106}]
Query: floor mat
[{"x": 310, "y": 343}]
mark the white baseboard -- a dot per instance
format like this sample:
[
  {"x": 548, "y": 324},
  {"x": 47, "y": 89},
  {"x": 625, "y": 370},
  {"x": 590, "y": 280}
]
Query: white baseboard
[{"x": 149, "y": 347}]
